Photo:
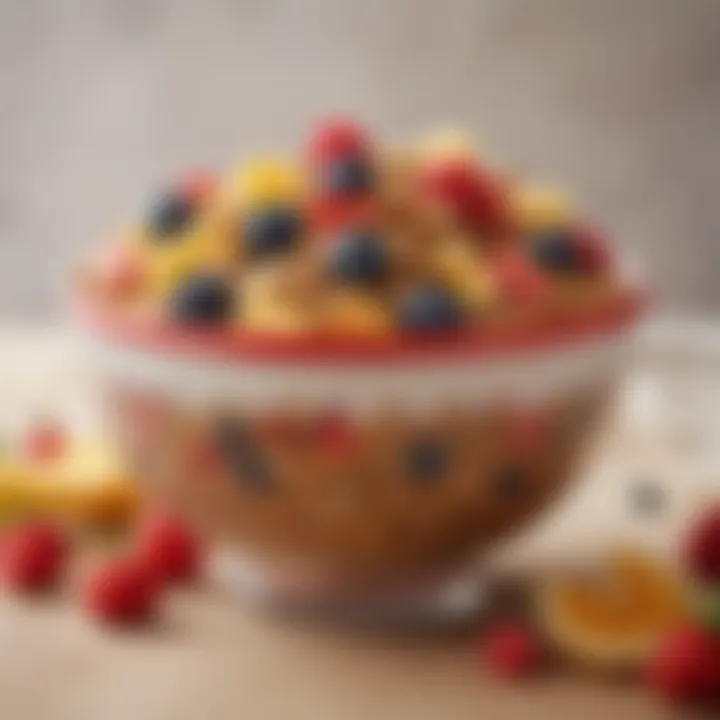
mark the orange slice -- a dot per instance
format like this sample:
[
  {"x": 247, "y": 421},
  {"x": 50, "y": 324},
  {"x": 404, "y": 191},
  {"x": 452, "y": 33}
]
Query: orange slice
[{"x": 615, "y": 615}]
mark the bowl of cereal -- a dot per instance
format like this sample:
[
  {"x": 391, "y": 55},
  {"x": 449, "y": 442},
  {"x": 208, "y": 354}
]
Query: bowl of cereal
[{"x": 356, "y": 370}]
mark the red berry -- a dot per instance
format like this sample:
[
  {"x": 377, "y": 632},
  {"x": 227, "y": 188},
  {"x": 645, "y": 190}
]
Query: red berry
[
  {"x": 702, "y": 547},
  {"x": 685, "y": 666},
  {"x": 337, "y": 137},
  {"x": 121, "y": 273},
  {"x": 33, "y": 557},
  {"x": 512, "y": 651},
  {"x": 477, "y": 199},
  {"x": 123, "y": 591},
  {"x": 518, "y": 279},
  {"x": 197, "y": 185},
  {"x": 169, "y": 549},
  {"x": 594, "y": 253},
  {"x": 44, "y": 441},
  {"x": 331, "y": 214}
]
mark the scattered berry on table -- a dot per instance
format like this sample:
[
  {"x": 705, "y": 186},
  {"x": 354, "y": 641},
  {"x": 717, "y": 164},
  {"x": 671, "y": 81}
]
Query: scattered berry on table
[
  {"x": 169, "y": 549},
  {"x": 512, "y": 651},
  {"x": 202, "y": 300},
  {"x": 702, "y": 547},
  {"x": 686, "y": 666},
  {"x": 33, "y": 557},
  {"x": 429, "y": 309},
  {"x": 122, "y": 591}
]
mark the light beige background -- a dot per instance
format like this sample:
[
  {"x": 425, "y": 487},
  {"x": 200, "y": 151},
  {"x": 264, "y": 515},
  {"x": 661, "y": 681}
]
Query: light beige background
[{"x": 100, "y": 100}]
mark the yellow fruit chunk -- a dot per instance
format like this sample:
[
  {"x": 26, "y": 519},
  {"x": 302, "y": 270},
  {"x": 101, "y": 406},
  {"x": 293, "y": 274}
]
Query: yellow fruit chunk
[
  {"x": 87, "y": 484},
  {"x": 539, "y": 208},
  {"x": 445, "y": 144},
  {"x": 459, "y": 266},
  {"x": 266, "y": 181},
  {"x": 264, "y": 309},
  {"x": 613, "y": 616},
  {"x": 166, "y": 268},
  {"x": 355, "y": 313}
]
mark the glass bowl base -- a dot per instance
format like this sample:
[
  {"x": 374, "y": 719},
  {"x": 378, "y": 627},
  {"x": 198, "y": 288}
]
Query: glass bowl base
[{"x": 454, "y": 599}]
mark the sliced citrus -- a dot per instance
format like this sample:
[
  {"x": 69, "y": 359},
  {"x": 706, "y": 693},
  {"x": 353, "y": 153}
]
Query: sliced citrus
[{"x": 615, "y": 614}]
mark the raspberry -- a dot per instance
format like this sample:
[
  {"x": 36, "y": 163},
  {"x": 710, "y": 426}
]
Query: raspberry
[
  {"x": 169, "y": 549},
  {"x": 123, "y": 591},
  {"x": 593, "y": 251},
  {"x": 197, "y": 186},
  {"x": 121, "y": 273},
  {"x": 476, "y": 198},
  {"x": 33, "y": 558},
  {"x": 336, "y": 137},
  {"x": 702, "y": 547},
  {"x": 686, "y": 666},
  {"x": 512, "y": 651},
  {"x": 518, "y": 279}
]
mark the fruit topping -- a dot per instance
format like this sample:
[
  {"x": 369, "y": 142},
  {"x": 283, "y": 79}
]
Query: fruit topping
[
  {"x": 556, "y": 252},
  {"x": 337, "y": 137},
  {"x": 359, "y": 258},
  {"x": 347, "y": 177},
  {"x": 270, "y": 231},
  {"x": 429, "y": 309},
  {"x": 170, "y": 216},
  {"x": 202, "y": 300}
]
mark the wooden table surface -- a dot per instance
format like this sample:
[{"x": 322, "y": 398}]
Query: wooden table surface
[{"x": 212, "y": 657}]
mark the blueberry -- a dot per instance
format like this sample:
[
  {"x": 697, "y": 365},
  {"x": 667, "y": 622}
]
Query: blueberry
[
  {"x": 347, "y": 176},
  {"x": 359, "y": 258},
  {"x": 248, "y": 465},
  {"x": 429, "y": 309},
  {"x": 202, "y": 300},
  {"x": 270, "y": 231},
  {"x": 427, "y": 461},
  {"x": 555, "y": 252},
  {"x": 170, "y": 216}
]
